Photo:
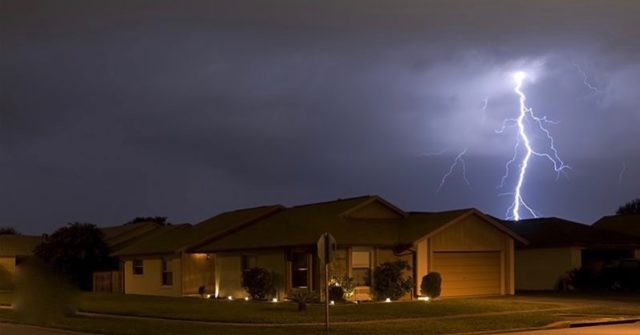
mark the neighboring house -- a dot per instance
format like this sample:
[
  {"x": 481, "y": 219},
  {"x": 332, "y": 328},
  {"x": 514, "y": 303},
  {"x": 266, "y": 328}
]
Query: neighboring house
[
  {"x": 624, "y": 223},
  {"x": 557, "y": 246},
  {"x": 14, "y": 249},
  {"x": 158, "y": 264},
  {"x": 473, "y": 252}
]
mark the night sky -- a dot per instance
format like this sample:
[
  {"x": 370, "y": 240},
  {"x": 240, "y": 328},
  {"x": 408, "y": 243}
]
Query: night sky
[{"x": 116, "y": 109}]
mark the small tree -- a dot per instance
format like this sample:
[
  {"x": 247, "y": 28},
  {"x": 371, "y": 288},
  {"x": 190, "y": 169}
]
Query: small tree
[
  {"x": 631, "y": 207},
  {"x": 76, "y": 251},
  {"x": 389, "y": 281},
  {"x": 258, "y": 282},
  {"x": 431, "y": 285}
]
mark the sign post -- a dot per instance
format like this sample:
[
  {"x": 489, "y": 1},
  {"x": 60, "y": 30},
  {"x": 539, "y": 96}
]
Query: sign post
[{"x": 326, "y": 253}]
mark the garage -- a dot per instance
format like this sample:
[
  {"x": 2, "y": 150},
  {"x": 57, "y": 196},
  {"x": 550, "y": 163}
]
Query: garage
[{"x": 468, "y": 273}]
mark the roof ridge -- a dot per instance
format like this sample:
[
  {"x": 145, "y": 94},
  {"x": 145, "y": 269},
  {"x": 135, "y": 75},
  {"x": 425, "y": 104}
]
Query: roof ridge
[{"x": 333, "y": 201}]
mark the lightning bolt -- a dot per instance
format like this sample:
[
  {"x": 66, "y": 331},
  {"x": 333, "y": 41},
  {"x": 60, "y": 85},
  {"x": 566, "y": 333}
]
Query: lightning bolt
[
  {"x": 622, "y": 171},
  {"x": 585, "y": 80},
  {"x": 456, "y": 161},
  {"x": 527, "y": 117}
]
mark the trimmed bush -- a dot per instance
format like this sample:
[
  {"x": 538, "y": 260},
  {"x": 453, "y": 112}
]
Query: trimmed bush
[
  {"x": 431, "y": 285},
  {"x": 258, "y": 282},
  {"x": 389, "y": 281},
  {"x": 336, "y": 293}
]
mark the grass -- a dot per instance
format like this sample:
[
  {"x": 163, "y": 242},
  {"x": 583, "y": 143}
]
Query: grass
[
  {"x": 461, "y": 315},
  {"x": 266, "y": 312},
  {"x": 109, "y": 326}
]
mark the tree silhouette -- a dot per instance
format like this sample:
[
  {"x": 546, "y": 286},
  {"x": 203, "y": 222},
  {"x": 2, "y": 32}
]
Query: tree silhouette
[
  {"x": 631, "y": 207},
  {"x": 76, "y": 251},
  {"x": 8, "y": 231}
]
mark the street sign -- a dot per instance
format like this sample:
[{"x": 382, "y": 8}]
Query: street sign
[
  {"x": 326, "y": 254},
  {"x": 326, "y": 248}
]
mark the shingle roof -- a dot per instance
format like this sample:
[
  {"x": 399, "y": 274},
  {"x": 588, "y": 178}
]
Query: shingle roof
[
  {"x": 172, "y": 238},
  {"x": 18, "y": 245},
  {"x": 625, "y": 223},
  {"x": 303, "y": 225},
  {"x": 118, "y": 237},
  {"x": 556, "y": 232}
]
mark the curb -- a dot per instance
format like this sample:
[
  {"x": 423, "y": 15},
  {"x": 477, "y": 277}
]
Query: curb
[{"x": 602, "y": 322}]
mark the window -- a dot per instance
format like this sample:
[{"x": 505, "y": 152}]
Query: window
[
  {"x": 167, "y": 274},
  {"x": 300, "y": 270},
  {"x": 138, "y": 268},
  {"x": 248, "y": 262},
  {"x": 361, "y": 267}
]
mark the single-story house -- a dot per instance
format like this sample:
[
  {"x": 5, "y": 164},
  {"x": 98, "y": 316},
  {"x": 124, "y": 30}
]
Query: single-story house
[
  {"x": 557, "y": 246},
  {"x": 14, "y": 249},
  {"x": 158, "y": 264},
  {"x": 624, "y": 223},
  {"x": 473, "y": 252}
]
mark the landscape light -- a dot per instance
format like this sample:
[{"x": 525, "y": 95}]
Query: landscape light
[
  {"x": 208, "y": 296},
  {"x": 274, "y": 300},
  {"x": 246, "y": 298},
  {"x": 229, "y": 298},
  {"x": 332, "y": 302},
  {"x": 387, "y": 300},
  {"x": 424, "y": 298}
]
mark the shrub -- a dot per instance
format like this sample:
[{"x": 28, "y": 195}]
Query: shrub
[
  {"x": 346, "y": 283},
  {"x": 389, "y": 282},
  {"x": 431, "y": 285},
  {"x": 201, "y": 291},
  {"x": 258, "y": 282},
  {"x": 336, "y": 293},
  {"x": 302, "y": 297}
]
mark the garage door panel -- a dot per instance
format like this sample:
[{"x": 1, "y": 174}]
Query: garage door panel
[{"x": 468, "y": 273}]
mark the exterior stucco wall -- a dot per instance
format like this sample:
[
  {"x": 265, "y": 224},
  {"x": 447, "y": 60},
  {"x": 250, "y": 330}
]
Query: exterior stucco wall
[
  {"x": 540, "y": 269},
  {"x": 7, "y": 271},
  {"x": 150, "y": 282},
  {"x": 8, "y": 264},
  {"x": 198, "y": 270}
]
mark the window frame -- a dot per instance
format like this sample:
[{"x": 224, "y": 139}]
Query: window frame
[
  {"x": 166, "y": 272},
  {"x": 369, "y": 268},
  {"x": 307, "y": 270},
  {"x": 135, "y": 267}
]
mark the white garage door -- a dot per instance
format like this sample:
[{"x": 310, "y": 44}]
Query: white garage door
[{"x": 468, "y": 273}]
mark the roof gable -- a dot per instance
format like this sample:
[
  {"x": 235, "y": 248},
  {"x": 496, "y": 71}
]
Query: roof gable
[{"x": 375, "y": 208}]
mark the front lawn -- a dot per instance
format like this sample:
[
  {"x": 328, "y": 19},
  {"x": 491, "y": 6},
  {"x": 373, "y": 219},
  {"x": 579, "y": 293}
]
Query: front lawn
[
  {"x": 284, "y": 312},
  {"x": 436, "y": 317}
]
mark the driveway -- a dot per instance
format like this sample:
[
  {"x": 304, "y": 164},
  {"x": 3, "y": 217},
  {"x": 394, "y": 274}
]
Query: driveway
[
  {"x": 15, "y": 329},
  {"x": 620, "y": 329}
]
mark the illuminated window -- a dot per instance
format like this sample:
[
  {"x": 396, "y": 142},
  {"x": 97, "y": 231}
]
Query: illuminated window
[
  {"x": 167, "y": 274},
  {"x": 300, "y": 270},
  {"x": 361, "y": 267},
  {"x": 138, "y": 267}
]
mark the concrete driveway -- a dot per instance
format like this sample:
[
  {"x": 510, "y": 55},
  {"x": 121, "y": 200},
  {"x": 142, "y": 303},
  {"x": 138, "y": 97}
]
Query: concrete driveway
[{"x": 620, "y": 329}]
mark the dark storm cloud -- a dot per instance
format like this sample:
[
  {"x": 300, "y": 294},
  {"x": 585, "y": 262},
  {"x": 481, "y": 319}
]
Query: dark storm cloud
[{"x": 115, "y": 109}]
